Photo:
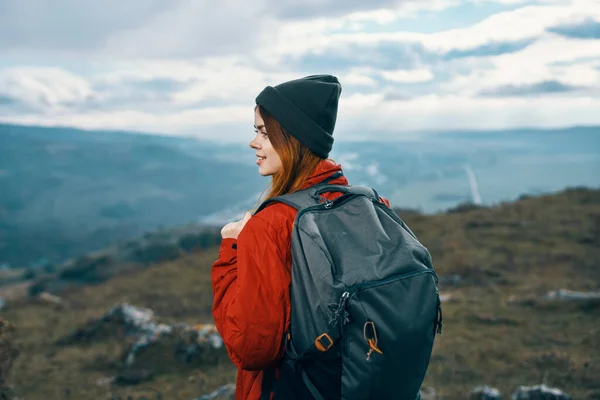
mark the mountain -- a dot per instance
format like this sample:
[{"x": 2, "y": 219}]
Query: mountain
[
  {"x": 498, "y": 268},
  {"x": 65, "y": 192}
]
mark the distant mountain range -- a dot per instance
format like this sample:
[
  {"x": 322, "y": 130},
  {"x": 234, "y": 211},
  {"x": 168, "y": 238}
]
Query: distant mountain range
[{"x": 65, "y": 192}]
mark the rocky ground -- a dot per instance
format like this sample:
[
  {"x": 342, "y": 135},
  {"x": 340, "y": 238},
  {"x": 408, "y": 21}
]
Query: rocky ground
[
  {"x": 8, "y": 354},
  {"x": 519, "y": 280}
]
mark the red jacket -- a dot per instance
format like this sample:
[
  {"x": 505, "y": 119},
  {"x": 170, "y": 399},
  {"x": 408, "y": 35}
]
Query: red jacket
[{"x": 251, "y": 281}]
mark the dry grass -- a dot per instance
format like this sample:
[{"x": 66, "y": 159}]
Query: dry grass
[
  {"x": 496, "y": 329},
  {"x": 177, "y": 292}
]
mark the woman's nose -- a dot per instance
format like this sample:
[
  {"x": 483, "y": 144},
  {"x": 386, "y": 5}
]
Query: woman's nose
[{"x": 253, "y": 144}]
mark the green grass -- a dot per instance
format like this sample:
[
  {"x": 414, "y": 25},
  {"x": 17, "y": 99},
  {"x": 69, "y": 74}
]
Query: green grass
[{"x": 497, "y": 330}]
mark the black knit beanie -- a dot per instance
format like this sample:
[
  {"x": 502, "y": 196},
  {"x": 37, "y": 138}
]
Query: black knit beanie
[{"x": 306, "y": 108}]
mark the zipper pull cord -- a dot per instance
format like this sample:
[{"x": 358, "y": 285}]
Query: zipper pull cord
[
  {"x": 340, "y": 314},
  {"x": 373, "y": 340},
  {"x": 439, "y": 316}
]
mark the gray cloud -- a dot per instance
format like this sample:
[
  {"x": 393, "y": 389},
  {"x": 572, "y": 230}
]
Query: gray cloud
[
  {"x": 154, "y": 28},
  {"x": 133, "y": 94},
  {"x": 586, "y": 29},
  {"x": 397, "y": 96},
  {"x": 382, "y": 55},
  {"x": 51, "y": 90},
  {"x": 69, "y": 24},
  {"x": 12, "y": 106},
  {"x": 534, "y": 89},
  {"x": 195, "y": 29},
  {"x": 158, "y": 85},
  {"x": 490, "y": 49},
  {"x": 293, "y": 9},
  {"x": 395, "y": 55},
  {"x": 144, "y": 28},
  {"x": 7, "y": 100}
]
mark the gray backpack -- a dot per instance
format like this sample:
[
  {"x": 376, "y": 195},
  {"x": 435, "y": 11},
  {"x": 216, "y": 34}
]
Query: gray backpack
[{"x": 364, "y": 301}]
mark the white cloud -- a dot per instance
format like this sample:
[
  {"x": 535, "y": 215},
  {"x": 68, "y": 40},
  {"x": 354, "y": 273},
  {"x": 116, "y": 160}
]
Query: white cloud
[
  {"x": 348, "y": 161},
  {"x": 191, "y": 122},
  {"x": 147, "y": 87},
  {"x": 528, "y": 22},
  {"x": 44, "y": 89},
  {"x": 524, "y": 23},
  {"x": 408, "y": 76},
  {"x": 356, "y": 104},
  {"x": 155, "y": 28},
  {"x": 358, "y": 78},
  {"x": 460, "y": 112},
  {"x": 374, "y": 172},
  {"x": 194, "y": 68},
  {"x": 362, "y": 116},
  {"x": 536, "y": 63},
  {"x": 373, "y": 169}
]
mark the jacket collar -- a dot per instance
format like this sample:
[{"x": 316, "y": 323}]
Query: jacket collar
[{"x": 324, "y": 170}]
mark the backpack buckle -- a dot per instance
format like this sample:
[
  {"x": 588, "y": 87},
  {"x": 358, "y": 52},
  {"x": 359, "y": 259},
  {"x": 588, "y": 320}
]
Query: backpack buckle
[{"x": 323, "y": 342}]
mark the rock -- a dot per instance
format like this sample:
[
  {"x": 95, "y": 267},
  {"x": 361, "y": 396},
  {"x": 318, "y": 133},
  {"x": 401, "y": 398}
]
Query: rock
[
  {"x": 539, "y": 392},
  {"x": 194, "y": 340},
  {"x": 485, "y": 393},
  {"x": 427, "y": 393},
  {"x": 8, "y": 354},
  {"x": 226, "y": 392},
  {"x": 571, "y": 295},
  {"x": 133, "y": 321},
  {"x": 50, "y": 299},
  {"x": 140, "y": 322},
  {"x": 149, "y": 344},
  {"x": 444, "y": 298},
  {"x": 105, "y": 382},
  {"x": 207, "y": 335}
]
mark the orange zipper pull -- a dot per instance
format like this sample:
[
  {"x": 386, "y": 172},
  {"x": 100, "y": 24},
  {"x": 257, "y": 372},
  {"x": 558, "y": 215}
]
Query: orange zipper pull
[
  {"x": 373, "y": 346},
  {"x": 371, "y": 339}
]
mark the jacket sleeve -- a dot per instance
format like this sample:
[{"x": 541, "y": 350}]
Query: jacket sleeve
[{"x": 251, "y": 298}]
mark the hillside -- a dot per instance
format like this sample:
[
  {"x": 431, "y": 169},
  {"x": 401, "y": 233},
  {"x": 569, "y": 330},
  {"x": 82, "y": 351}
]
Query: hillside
[
  {"x": 66, "y": 192},
  {"x": 497, "y": 265}
]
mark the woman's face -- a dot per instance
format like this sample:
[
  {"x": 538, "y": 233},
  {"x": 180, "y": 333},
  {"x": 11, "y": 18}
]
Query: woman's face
[{"x": 268, "y": 160}]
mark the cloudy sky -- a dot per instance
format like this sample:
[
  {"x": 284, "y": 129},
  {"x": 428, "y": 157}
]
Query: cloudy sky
[{"x": 194, "y": 67}]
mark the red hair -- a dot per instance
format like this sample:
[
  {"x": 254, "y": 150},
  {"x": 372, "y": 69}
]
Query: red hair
[{"x": 297, "y": 161}]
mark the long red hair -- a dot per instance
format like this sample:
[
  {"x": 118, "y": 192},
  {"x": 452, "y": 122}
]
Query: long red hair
[{"x": 297, "y": 161}]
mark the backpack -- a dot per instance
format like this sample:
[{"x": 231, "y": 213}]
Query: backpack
[{"x": 365, "y": 305}]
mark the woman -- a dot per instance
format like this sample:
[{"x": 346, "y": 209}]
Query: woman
[{"x": 294, "y": 123}]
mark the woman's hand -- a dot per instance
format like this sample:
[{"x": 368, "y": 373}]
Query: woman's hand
[{"x": 233, "y": 229}]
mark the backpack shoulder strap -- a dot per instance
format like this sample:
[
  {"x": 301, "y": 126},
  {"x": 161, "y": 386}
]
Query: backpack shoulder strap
[
  {"x": 299, "y": 200},
  {"x": 312, "y": 195},
  {"x": 302, "y": 198},
  {"x": 361, "y": 190}
]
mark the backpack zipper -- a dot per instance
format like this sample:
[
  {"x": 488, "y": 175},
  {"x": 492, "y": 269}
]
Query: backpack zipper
[
  {"x": 327, "y": 205},
  {"x": 365, "y": 285},
  {"x": 341, "y": 314},
  {"x": 351, "y": 291}
]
